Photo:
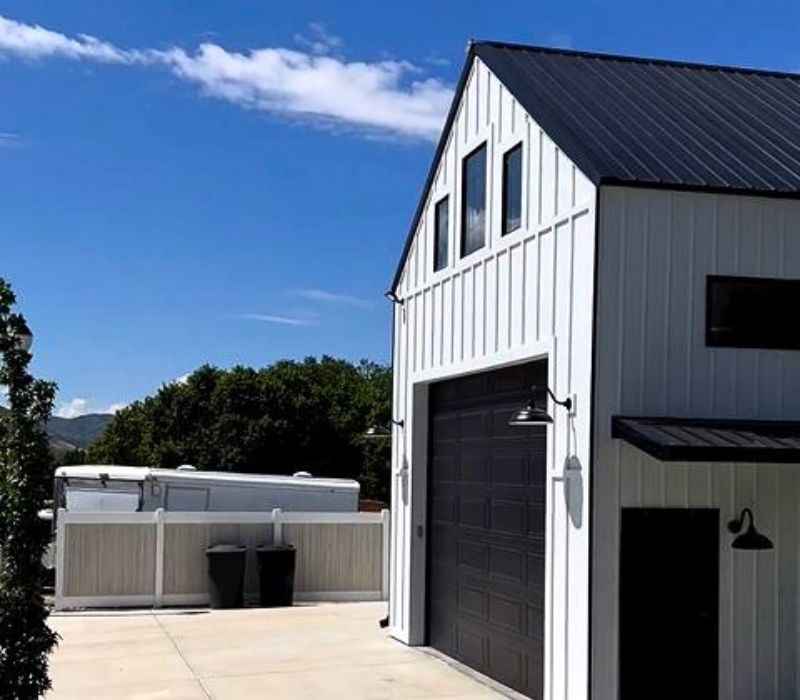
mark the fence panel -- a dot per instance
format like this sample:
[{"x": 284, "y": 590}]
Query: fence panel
[{"x": 145, "y": 559}]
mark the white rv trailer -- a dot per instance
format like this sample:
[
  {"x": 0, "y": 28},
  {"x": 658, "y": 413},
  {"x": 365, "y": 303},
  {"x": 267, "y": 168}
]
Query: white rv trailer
[{"x": 92, "y": 488}]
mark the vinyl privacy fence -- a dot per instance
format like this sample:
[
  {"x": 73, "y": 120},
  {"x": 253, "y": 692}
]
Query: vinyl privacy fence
[{"x": 108, "y": 560}]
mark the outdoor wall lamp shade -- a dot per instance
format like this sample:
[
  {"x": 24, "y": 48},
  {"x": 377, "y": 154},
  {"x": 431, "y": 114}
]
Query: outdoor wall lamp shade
[
  {"x": 531, "y": 414},
  {"x": 379, "y": 431},
  {"x": 749, "y": 539}
]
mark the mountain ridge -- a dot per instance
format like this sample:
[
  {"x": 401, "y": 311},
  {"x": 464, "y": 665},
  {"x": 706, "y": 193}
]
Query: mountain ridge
[{"x": 76, "y": 433}]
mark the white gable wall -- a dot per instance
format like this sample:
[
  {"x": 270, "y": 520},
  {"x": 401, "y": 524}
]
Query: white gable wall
[
  {"x": 655, "y": 250},
  {"x": 523, "y": 296}
]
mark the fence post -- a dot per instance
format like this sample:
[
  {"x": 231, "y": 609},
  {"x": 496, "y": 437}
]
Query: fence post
[
  {"x": 277, "y": 526},
  {"x": 61, "y": 526},
  {"x": 386, "y": 520},
  {"x": 158, "y": 592}
]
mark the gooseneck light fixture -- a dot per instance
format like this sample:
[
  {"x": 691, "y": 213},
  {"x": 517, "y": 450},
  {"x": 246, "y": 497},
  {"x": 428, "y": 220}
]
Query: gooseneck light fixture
[
  {"x": 380, "y": 431},
  {"x": 750, "y": 539},
  {"x": 532, "y": 414}
]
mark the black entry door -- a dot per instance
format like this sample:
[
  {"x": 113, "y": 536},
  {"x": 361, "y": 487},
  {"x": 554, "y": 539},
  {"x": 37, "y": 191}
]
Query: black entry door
[
  {"x": 487, "y": 527},
  {"x": 669, "y": 603}
]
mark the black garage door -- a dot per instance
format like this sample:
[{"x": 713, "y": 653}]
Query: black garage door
[{"x": 486, "y": 526}]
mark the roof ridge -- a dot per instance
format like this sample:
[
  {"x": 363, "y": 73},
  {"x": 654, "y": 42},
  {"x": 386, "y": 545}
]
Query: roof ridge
[{"x": 580, "y": 53}]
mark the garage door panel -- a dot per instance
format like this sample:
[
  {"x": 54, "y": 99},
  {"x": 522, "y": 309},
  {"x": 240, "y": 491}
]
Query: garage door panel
[
  {"x": 475, "y": 468},
  {"x": 507, "y": 563},
  {"x": 486, "y": 528},
  {"x": 473, "y": 512}
]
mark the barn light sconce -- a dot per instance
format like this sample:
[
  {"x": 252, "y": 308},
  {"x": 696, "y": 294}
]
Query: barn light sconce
[
  {"x": 380, "y": 431},
  {"x": 391, "y": 296},
  {"x": 750, "y": 539},
  {"x": 531, "y": 414}
]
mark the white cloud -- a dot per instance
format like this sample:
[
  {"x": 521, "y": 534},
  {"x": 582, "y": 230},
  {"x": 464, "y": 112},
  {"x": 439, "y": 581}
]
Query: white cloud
[
  {"x": 80, "y": 406},
  {"x": 385, "y": 96},
  {"x": 283, "y": 320},
  {"x": 374, "y": 96},
  {"x": 330, "y": 297},
  {"x": 182, "y": 379},
  {"x": 34, "y": 41},
  {"x": 320, "y": 41}
]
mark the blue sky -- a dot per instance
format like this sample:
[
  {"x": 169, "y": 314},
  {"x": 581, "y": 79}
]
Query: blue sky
[{"x": 231, "y": 181}]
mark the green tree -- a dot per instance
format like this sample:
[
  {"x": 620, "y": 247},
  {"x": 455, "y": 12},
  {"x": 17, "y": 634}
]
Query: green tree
[
  {"x": 309, "y": 415},
  {"x": 25, "y": 483}
]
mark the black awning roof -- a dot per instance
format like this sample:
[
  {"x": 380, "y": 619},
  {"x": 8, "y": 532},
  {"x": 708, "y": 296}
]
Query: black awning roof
[{"x": 710, "y": 440}]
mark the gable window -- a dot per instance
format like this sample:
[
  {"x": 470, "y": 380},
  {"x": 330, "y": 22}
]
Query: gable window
[
  {"x": 512, "y": 189},
  {"x": 473, "y": 201},
  {"x": 441, "y": 233},
  {"x": 752, "y": 312}
]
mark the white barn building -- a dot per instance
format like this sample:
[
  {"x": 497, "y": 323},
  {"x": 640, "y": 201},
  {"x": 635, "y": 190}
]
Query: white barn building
[{"x": 625, "y": 233}]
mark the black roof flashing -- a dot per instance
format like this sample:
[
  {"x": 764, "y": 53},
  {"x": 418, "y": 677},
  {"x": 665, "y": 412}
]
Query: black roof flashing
[{"x": 649, "y": 122}]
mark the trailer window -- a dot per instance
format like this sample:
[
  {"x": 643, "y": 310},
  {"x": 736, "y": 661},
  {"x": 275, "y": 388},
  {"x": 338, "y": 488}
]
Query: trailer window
[{"x": 186, "y": 498}]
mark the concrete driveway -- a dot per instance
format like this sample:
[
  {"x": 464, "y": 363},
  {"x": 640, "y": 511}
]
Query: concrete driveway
[{"x": 320, "y": 651}]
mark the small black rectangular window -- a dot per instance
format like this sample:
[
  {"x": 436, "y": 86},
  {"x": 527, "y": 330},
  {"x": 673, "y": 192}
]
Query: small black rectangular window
[
  {"x": 473, "y": 201},
  {"x": 752, "y": 312},
  {"x": 441, "y": 233},
  {"x": 512, "y": 189}
]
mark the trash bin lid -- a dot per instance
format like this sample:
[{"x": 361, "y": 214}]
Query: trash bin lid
[
  {"x": 225, "y": 548},
  {"x": 274, "y": 547}
]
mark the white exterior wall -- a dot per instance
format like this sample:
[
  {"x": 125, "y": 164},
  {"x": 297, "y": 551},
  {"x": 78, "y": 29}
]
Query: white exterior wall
[
  {"x": 523, "y": 296},
  {"x": 655, "y": 250}
]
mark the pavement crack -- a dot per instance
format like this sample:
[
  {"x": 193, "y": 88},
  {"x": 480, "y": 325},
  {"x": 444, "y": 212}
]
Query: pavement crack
[{"x": 177, "y": 648}]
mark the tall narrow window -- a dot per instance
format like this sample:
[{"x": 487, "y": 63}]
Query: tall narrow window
[
  {"x": 512, "y": 189},
  {"x": 473, "y": 201},
  {"x": 441, "y": 233}
]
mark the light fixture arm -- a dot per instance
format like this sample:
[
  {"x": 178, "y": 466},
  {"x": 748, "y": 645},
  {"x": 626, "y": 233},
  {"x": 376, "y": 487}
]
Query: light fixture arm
[
  {"x": 735, "y": 526},
  {"x": 391, "y": 296},
  {"x": 399, "y": 423},
  {"x": 566, "y": 403}
]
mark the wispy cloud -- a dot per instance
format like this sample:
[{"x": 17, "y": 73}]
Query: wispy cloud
[
  {"x": 384, "y": 96},
  {"x": 283, "y": 320},
  {"x": 434, "y": 59},
  {"x": 80, "y": 406},
  {"x": 9, "y": 139},
  {"x": 319, "y": 40},
  {"x": 34, "y": 41},
  {"x": 328, "y": 297}
]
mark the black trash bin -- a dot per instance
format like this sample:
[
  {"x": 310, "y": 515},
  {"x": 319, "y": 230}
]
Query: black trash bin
[
  {"x": 226, "y": 575},
  {"x": 275, "y": 575}
]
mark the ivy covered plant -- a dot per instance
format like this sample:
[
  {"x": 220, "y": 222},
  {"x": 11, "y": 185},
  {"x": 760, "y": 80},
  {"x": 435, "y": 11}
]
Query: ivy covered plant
[{"x": 26, "y": 479}]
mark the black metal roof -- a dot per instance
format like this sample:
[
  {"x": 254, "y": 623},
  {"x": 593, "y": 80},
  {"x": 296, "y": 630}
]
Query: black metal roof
[
  {"x": 649, "y": 122},
  {"x": 711, "y": 440}
]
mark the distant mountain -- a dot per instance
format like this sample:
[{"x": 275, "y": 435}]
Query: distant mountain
[
  {"x": 71, "y": 433},
  {"x": 67, "y": 434}
]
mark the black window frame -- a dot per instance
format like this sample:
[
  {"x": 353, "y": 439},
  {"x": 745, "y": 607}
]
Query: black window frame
[
  {"x": 743, "y": 338},
  {"x": 505, "y": 230},
  {"x": 464, "y": 164},
  {"x": 439, "y": 265}
]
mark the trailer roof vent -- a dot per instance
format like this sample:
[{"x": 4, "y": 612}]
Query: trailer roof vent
[
  {"x": 306, "y": 475},
  {"x": 187, "y": 468}
]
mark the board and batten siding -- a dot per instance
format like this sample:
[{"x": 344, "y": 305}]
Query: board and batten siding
[
  {"x": 525, "y": 295},
  {"x": 655, "y": 250}
]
